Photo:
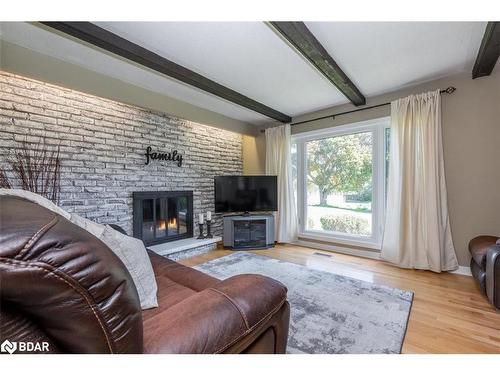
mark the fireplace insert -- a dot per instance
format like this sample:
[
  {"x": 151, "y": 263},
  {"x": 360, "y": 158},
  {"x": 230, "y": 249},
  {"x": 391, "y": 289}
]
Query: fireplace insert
[{"x": 162, "y": 216}]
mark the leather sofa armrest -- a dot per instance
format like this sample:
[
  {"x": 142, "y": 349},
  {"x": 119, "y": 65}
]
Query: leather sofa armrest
[
  {"x": 482, "y": 239},
  {"x": 215, "y": 318},
  {"x": 493, "y": 275}
]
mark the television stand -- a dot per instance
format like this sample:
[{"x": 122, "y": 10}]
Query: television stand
[{"x": 248, "y": 231}]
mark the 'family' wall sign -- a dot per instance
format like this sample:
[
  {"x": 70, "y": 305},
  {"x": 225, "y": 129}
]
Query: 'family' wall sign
[{"x": 169, "y": 156}]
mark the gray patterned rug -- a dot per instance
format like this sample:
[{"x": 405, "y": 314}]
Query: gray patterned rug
[{"x": 329, "y": 313}]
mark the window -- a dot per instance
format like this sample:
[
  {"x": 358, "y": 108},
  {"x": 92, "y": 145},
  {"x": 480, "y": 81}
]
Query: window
[{"x": 340, "y": 178}]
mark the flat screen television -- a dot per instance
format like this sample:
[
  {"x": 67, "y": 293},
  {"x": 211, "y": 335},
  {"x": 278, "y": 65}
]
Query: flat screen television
[{"x": 246, "y": 193}]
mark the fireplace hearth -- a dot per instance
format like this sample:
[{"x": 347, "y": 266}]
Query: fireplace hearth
[{"x": 162, "y": 216}]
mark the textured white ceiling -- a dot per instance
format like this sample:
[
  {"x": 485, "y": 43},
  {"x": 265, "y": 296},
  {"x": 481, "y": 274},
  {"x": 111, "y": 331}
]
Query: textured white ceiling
[
  {"x": 245, "y": 56},
  {"x": 380, "y": 57},
  {"x": 65, "y": 49},
  {"x": 250, "y": 58}
]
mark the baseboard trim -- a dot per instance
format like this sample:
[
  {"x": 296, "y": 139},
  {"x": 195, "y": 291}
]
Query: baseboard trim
[
  {"x": 465, "y": 271},
  {"x": 462, "y": 270},
  {"x": 339, "y": 249}
]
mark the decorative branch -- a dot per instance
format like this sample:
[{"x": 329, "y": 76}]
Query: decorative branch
[
  {"x": 4, "y": 180},
  {"x": 36, "y": 168}
]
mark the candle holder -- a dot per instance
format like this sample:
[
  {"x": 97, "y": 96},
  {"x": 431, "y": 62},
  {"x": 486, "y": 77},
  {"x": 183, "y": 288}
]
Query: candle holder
[
  {"x": 200, "y": 236},
  {"x": 209, "y": 234}
]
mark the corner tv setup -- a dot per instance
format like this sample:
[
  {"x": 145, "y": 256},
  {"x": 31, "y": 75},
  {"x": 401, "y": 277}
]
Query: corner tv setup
[
  {"x": 247, "y": 202},
  {"x": 246, "y": 194}
]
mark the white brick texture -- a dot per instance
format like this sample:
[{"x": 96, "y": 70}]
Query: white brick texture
[{"x": 103, "y": 143}]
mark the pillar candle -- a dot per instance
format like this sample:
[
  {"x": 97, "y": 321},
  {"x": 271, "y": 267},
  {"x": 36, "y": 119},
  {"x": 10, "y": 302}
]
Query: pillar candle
[
  {"x": 209, "y": 216},
  {"x": 200, "y": 218}
]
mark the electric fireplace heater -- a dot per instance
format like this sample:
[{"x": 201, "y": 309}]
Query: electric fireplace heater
[{"x": 162, "y": 216}]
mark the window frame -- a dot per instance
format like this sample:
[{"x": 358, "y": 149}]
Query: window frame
[{"x": 377, "y": 127}]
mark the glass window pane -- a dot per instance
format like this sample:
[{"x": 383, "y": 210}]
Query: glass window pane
[{"x": 339, "y": 184}]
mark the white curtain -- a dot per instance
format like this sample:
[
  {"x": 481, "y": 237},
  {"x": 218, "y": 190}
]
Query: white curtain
[
  {"x": 417, "y": 228},
  {"x": 279, "y": 163}
]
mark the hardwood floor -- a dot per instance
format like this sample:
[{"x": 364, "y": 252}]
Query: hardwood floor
[{"x": 449, "y": 314}]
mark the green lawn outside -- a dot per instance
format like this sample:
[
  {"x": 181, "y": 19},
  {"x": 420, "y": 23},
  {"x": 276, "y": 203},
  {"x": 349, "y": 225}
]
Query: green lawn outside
[{"x": 356, "y": 209}]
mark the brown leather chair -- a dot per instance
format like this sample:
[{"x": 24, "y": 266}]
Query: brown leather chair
[
  {"x": 61, "y": 285},
  {"x": 485, "y": 266}
]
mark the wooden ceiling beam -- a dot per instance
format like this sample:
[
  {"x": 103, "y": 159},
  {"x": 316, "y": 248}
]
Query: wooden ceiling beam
[
  {"x": 299, "y": 36},
  {"x": 488, "y": 52},
  {"x": 99, "y": 37}
]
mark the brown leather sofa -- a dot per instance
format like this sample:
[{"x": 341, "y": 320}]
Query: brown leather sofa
[
  {"x": 61, "y": 285},
  {"x": 485, "y": 266}
]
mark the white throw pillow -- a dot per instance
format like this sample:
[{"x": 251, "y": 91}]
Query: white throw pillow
[
  {"x": 133, "y": 254},
  {"x": 90, "y": 226},
  {"x": 36, "y": 198}
]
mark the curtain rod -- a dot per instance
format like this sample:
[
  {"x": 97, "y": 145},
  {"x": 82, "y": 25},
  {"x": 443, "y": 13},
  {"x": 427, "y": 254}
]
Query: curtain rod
[{"x": 448, "y": 90}]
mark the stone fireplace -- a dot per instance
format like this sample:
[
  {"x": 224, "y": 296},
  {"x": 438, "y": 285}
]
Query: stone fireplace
[
  {"x": 103, "y": 146},
  {"x": 162, "y": 216}
]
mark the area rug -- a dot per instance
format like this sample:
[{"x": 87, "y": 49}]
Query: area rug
[{"x": 329, "y": 313}]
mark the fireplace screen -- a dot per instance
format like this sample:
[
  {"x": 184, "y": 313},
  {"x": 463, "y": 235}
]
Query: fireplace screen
[{"x": 163, "y": 216}]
